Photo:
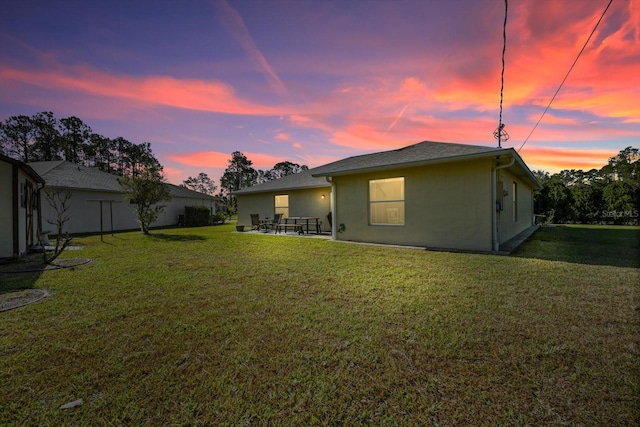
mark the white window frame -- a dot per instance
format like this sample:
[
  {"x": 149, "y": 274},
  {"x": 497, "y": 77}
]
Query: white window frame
[{"x": 394, "y": 215}]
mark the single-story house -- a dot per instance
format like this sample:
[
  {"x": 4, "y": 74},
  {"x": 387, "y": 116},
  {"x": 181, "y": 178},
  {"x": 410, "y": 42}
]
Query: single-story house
[
  {"x": 431, "y": 194},
  {"x": 97, "y": 203},
  {"x": 20, "y": 214}
]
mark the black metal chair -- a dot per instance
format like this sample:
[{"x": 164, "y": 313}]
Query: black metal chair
[
  {"x": 275, "y": 222},
  {"x": 255, "y": 221}
]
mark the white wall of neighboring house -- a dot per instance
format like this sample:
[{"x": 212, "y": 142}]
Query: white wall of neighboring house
[
  {"x": 176, "y": 206},
  {"x": 85, "y": 210},
  {"x": 26, "y": 237},
  {"x": 6, "y": 210}
]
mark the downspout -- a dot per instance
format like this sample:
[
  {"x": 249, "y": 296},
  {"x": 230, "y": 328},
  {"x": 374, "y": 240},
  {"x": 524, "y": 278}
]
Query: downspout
[
  {"x": 15, "y": 183},
  {"x": 334, "y": 232},
  {"x": 39, "y": 188},
  {"x": 494, "y": 199}
]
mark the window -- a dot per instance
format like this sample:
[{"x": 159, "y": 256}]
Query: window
[
  {"x": 514, "y": 207},
  {"x": 386, "y": 201},
  {"x": 282, "y": 205}
]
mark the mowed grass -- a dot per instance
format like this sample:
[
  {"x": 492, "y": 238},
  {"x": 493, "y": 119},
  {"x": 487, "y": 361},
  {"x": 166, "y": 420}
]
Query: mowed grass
[{"x": 207, "y": 326}]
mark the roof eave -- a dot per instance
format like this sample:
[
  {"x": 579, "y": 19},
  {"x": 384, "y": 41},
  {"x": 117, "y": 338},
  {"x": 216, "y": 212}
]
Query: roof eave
[
  {"x": 275, "y": 190},
  {"x": 33, "y": 174},
  {"x": 528, "y": 175},
  {"x": 25, "y": 167}
]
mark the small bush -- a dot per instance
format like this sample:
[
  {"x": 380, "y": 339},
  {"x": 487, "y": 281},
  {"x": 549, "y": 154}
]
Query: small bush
[
  {"x": 219, "y": 218},
  {"x": 196, "y": 216}
]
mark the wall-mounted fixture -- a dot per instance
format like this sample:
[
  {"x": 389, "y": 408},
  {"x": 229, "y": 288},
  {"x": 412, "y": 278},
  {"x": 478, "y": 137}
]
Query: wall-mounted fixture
[
  {"x": 323, "y": 196},
  {"x": 341, "y": 228}
]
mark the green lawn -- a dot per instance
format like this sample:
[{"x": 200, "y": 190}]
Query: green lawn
[{"x": 207, "y": 326}]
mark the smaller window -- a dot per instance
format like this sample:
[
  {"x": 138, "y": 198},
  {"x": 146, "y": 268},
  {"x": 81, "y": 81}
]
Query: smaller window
[
  {"x": 514, "y": 207},
  {"x": 282, "y": 205},
  {"x": 23, "y": 195}
]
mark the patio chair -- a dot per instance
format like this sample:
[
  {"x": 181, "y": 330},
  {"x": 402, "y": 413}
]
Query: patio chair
[
  {"x": 276, "y": 221},
  {"x": 255, "y": 221}
]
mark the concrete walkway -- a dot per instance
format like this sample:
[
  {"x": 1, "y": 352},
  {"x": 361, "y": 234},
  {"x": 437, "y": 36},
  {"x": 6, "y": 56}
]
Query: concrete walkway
[{"x": 510, "y": 245}]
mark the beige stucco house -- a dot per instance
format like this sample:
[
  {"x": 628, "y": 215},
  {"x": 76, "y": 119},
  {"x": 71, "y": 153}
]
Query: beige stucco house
[
  {"x": 431, "y": 194},
  {"x": 19, "y": 207},
  {"x": 97, "y": 201}
]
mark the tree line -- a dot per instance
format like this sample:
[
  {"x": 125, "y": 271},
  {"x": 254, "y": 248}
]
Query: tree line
[
  {"x": 610, "y": 194},
  {"x": 43, "y": 137},
  {"x": 240, "y": 173}
]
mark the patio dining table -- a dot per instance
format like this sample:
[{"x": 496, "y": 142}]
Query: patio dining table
[{"x": 306, "y": 220}]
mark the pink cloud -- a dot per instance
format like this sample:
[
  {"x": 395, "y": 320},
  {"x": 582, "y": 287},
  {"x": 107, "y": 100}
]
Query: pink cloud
[
  {"x": 556, "y": 159},
  {"x": 202, "y": 159},
  {"x": 282, "y": 136},
  {"x": 192, "y": 94},
  {"x": 171, "y": 172},
  {"x": 213, "y": 159}
]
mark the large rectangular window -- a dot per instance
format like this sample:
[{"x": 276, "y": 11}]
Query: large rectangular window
[
  {"x": 282, "y": 205},
  {"x": 386, "y": 201}
]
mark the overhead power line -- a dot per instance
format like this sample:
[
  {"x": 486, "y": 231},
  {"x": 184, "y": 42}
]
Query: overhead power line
[
  {"x": 567, "y": 75},
  {"x": 500, "y": 134}
]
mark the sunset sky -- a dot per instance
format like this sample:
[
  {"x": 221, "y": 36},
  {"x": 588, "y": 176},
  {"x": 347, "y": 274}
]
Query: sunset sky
[{"x": 316, "y": 81}]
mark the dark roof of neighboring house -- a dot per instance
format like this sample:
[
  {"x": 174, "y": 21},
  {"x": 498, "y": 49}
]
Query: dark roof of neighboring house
[
  {"x": 25, "y": 167},
  {"x": 63, "y": 174},
  {"x": 179, "y": 191},
  {"x": 417, "y": 154},
  {"x": 296, "y": 181}
]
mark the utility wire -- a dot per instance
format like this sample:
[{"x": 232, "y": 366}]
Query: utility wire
[
  {"x": 568, "y": 72},
  {"x": 504, "y": 48}
]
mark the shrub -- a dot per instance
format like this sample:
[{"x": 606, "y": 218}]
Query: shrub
[
  {"x": 196, "y": 216},
  {"x": 219, "y": 218}
]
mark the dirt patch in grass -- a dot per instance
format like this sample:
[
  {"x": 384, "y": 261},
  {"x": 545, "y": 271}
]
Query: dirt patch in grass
[
  {"x": 15, "y": 299},
  {"x": 34, "y": 263}
]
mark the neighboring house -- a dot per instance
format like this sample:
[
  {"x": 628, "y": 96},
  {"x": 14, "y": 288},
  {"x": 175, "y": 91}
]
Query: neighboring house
[
  {"x": 20, "y": 217},
  {"x": 430, "y": 194},
  {"x": 97, "y": 196}
]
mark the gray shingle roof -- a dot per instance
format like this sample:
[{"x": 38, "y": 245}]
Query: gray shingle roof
[
  {"x": 417, "y": 154},
  {"x": 297, "y": 181},
  {"x": 62, "y": 174}
]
